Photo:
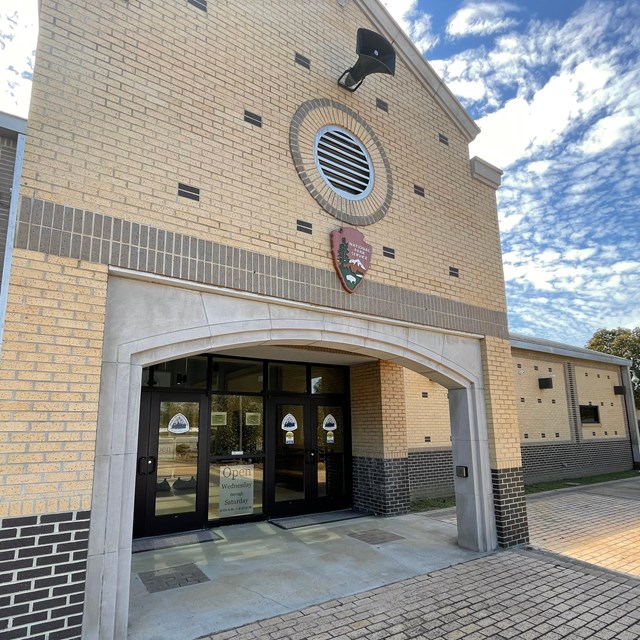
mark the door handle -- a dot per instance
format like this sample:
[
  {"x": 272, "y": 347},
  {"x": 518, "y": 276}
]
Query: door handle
[
  {"x": 142, "y": 467},
  {"x": 152, "y": 465}
]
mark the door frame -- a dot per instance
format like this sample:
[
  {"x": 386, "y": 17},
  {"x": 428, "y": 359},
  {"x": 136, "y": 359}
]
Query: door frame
[
  {"x": 311, "y": 503},
  {"x": 146, "y": 523}
]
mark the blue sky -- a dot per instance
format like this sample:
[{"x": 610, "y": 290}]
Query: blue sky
[{"x": 555, "y": 88}]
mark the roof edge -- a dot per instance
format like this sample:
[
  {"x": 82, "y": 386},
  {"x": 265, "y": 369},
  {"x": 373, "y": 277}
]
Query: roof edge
[
  {"x": 486, "y": 173},
  {"x": 424, "y": 71},
  {"x": 529, "y": 343},
  {"x": 13, "y": 123}
]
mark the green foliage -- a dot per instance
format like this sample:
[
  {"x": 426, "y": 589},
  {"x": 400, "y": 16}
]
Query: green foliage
[{"x": 624, "y": 343}]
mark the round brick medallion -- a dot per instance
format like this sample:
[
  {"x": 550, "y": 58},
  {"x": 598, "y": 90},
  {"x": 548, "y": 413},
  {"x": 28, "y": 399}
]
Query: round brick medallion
[{"x": 322, "y": 114}]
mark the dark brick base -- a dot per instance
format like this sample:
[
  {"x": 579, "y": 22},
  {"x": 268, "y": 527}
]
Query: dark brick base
[
  {"x": 42, "y": 575},
  {"x": 510, "y": 507},
  {"x": 431, "y": 473},
  {"x": 381, "y": 485},
  {"x": 575, "y": 459}
]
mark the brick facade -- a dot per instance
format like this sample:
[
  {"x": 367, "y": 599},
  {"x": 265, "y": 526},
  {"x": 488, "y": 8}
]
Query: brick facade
[
  {"x": 381, "y": 486},
  {"x": 42, "y": 575},
  {"x": 510, "y": 507}
]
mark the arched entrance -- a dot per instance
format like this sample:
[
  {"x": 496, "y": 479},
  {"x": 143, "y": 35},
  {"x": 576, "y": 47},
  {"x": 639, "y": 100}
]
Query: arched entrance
[{"x": 151, "y": 320}]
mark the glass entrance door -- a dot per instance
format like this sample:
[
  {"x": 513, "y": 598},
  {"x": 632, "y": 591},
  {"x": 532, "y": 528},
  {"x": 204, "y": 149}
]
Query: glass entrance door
[
  {"x": 170, "y": 474},
  {"x": 306, "y": 454}
]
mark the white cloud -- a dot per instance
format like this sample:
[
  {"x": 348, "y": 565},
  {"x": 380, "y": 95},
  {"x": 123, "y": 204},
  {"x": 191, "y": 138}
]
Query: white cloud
[
  {"x": 18, "y": 36},
  {"x": 481, "y": 18},
  {"x": 415, "y": 22}
]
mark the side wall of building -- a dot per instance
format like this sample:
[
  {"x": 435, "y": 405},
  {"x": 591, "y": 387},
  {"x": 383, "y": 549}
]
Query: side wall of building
[{"x": 555, "y": 442}]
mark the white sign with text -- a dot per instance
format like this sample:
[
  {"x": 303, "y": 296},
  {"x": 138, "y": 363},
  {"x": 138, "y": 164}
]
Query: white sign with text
[{"x": 236, "y": 490}]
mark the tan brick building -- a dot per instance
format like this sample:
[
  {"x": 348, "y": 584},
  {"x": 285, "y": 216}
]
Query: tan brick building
[{"x": 179, "y": 345}]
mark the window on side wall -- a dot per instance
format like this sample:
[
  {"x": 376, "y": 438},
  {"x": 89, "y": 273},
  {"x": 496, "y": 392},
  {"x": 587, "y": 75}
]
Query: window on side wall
[{"x": 589, "y": 414}]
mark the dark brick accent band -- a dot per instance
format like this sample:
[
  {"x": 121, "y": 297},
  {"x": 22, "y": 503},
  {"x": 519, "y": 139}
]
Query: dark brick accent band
[
  {"x": 510, "y": 507},
  {"x": 431, "y": 473},
  {"x": 83, "y": 235},
  {"x": 543, "y": 462},
  {"x": 42, "y": 575},
  {"x": 381, "y": 485}
]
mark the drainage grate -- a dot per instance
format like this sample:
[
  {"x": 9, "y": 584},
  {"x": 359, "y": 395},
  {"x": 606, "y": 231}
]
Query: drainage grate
[
  {"x": 172, "y": 578},
  {"x": 375, "y": 536}
]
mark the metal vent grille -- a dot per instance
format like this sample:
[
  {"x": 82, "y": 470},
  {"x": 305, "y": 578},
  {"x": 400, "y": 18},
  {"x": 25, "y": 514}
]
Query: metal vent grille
[{"x": 344, "y": 163}]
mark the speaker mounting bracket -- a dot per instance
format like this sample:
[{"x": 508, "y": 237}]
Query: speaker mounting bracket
[{"x": 344, "y": 86}]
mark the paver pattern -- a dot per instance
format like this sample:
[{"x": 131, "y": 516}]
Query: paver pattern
[
  {"x": 512, "y": 594},
  {"x": 528, "y": 594},
  {"x": 599, "y": 524}
]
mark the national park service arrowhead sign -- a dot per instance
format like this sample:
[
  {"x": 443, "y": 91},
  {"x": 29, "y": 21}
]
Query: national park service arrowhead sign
[{"x": 351, "y": 257}]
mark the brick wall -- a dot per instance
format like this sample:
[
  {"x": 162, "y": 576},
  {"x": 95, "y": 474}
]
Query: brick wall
[
  {"x": 431, "y": 473},
  {"x": 427, "y": 408},
  {"x": 49, "y": 382},
  {"x": 575, "y": 459},
  {"x": 381, "y": 486},
  {"x": 42, "y": 575},
  {"x": 510, "y": 507}
]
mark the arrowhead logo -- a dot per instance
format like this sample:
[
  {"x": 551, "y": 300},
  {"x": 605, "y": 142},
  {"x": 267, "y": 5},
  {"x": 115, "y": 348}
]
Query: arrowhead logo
[{"x": 351, "y": 257}]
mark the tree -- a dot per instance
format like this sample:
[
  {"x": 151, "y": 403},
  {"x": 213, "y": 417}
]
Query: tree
[{"x": 624, "y": 343}]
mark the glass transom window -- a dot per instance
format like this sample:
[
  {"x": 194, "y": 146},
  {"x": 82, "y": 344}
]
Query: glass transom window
[{"x": 343, "y": 162}]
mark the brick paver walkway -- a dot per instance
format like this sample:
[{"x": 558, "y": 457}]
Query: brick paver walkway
[
  {"x": 599, "y": 524},
  {"x": 527, "y": 594},
  {"x": 512, "y": 594}
]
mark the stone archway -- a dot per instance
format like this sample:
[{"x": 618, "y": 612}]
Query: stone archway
[{"x": 153, "y": 319}]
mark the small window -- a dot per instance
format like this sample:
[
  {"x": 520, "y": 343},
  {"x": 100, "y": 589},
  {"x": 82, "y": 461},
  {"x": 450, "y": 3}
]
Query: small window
[
  {"x": 291, "y": 378},
  {"x": 327, "y": 380},
  {"x": 232, "y": 375},
  {"x": 589, "y": 414}
]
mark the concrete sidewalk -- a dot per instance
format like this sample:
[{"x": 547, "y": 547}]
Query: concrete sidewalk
[{"x": 404, "y": 577}]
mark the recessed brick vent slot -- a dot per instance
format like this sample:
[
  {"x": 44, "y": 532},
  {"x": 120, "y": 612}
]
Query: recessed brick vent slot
[
  {"x": 382, "y": 105},
  {"x": 427, "y": 438},
  {"x": 305, "y": 227},
  {"x": 253, "y": 118},
  {"x": 200, "y": 4},
  {"x": 442, "y": 138},
  {"x": 302, "y": 61},
  {"x": 187, "y": 191},
  {"x": 388, "y": 252},
  {"x": 419, "y": 191},
  {"x": 425, "y": 394},
  {"x": 454, "y": 271}
]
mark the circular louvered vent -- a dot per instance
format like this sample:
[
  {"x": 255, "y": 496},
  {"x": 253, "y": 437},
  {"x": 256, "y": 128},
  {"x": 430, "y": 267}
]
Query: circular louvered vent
[{"x": 343, "y": 162}]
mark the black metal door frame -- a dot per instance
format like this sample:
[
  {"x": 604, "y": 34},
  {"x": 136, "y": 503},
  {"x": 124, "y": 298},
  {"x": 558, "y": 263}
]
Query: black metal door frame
[{"x": 146, "y": 523}]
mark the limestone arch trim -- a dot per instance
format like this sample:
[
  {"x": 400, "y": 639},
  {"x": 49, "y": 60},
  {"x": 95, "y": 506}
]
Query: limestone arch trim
[{"x": 218, "y": 320}]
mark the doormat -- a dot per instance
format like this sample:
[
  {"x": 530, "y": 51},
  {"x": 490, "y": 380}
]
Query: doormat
[
  {"x": 174, "y": 540},
  {"x": 295, "y": 522}
]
